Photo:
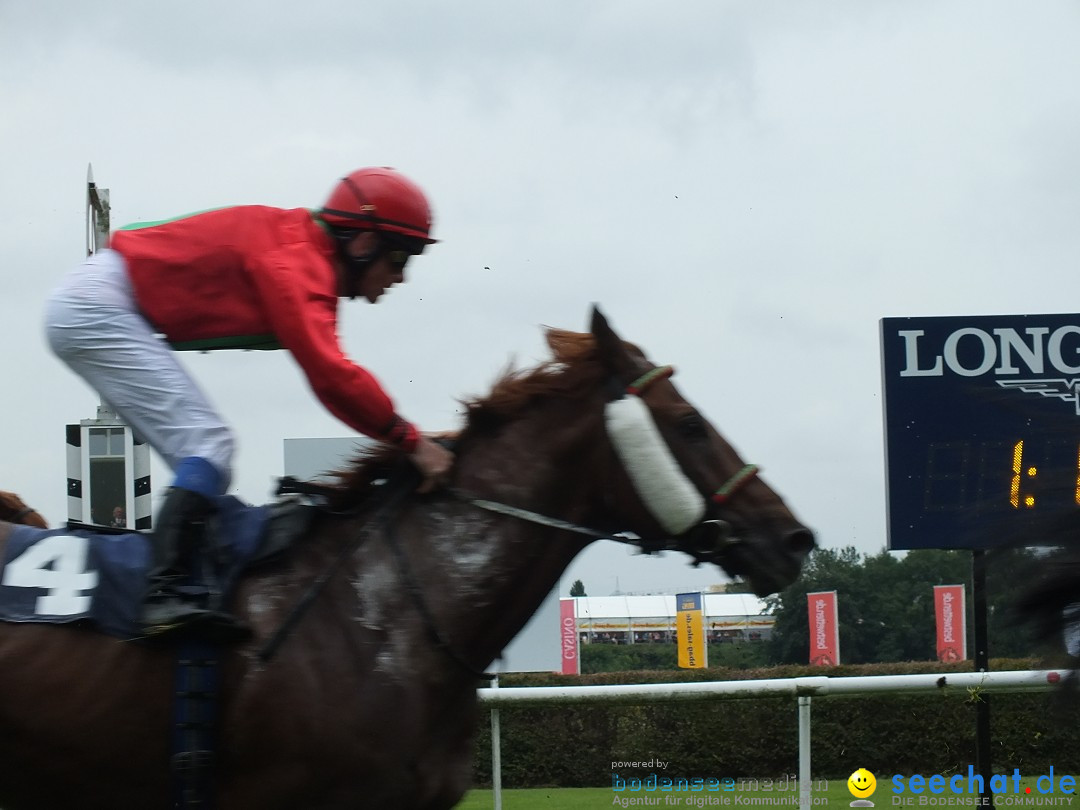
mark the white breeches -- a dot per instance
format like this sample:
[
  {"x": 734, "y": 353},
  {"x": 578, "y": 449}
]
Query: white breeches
[{"x": 94, "y": 325}]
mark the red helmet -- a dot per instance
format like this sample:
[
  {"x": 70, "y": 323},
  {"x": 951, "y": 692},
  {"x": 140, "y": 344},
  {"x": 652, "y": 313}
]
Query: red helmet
[{"x": 380, "y": 199}]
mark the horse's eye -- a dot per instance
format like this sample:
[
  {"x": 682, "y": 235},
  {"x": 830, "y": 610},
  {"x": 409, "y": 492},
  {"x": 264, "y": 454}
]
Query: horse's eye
[{"x": 692, "y": 426}]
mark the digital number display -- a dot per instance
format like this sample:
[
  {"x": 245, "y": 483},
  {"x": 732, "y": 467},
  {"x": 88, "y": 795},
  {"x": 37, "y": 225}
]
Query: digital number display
[{"x": 982, "y": 427}]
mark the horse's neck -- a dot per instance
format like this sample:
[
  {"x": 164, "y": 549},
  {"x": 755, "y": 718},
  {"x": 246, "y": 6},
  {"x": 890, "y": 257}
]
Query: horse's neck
[
  {"x": 485, "y": 576},
  {"x": 503, "y": 567},
  {"x": 539, "y": 463}
]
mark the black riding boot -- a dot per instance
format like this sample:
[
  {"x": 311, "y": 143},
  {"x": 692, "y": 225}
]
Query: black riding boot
[{"x": 179, "y": 532}]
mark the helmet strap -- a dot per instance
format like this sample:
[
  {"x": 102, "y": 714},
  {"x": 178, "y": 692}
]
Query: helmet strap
[{"x": 355, "y": 266}]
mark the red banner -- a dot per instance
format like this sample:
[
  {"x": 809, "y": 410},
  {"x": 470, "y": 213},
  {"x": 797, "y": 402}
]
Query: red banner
[
  {"x": 951, "y": 622},
  {"x": 824, "y": 629},
  {"x": 571, "y": 663}
]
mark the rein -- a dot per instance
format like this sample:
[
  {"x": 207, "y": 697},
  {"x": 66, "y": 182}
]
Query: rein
[
  {"x": 542, "y": 520},
  {"x": 722, "y": 495}
]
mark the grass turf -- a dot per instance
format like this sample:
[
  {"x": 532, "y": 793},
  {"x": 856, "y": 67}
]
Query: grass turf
[{"x": 831, "y": 793}]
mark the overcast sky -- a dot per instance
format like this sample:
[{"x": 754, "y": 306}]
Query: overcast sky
[{"x": 744, "y": 187}]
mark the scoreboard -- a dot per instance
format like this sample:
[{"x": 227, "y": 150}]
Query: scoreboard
[{"x": 982, "y": 427}]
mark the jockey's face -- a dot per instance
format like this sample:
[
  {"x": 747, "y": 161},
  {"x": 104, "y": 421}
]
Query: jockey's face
[{"x": 379, "y": 276}]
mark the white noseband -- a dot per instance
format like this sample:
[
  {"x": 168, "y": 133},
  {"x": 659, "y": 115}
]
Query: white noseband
[{"x": 669, "y": 495}]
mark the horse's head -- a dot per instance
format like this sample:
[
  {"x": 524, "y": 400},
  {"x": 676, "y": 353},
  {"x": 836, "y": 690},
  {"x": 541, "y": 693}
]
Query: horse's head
[{"x": 693, "y": 491}]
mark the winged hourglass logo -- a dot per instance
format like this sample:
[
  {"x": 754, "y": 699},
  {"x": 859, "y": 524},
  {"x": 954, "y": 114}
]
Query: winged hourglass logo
[{"x": 1062, "y": 388}]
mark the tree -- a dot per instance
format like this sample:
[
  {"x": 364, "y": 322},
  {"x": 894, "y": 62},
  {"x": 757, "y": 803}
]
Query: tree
[
  {"x": 885, "y": 603},
  {"x": 578, "y": 588}
]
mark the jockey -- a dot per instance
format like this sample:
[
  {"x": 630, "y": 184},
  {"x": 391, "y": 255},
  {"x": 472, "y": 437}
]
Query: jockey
[{"x": 249, "y": 277}]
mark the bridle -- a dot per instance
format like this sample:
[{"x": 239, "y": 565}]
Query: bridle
[
  {"x": 720, "y": 529},
  {"x": 726, "y": 490}
]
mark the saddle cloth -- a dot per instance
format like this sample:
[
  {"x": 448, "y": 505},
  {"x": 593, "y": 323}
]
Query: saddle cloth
[{"x": 60, "y": 576}]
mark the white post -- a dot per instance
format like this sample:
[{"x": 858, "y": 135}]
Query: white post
[
  {"x": 98, "y": 210},
  {"x": 496, "y": 752},
  {"x": 805, "y": 800}
]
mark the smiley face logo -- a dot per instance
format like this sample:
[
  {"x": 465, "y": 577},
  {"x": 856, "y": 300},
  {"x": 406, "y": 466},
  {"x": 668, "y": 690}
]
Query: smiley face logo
[{"x": 862, "y": 784}]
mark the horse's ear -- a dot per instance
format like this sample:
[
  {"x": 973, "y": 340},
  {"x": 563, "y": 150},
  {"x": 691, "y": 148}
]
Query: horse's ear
[{"x": 610, "y": 347}]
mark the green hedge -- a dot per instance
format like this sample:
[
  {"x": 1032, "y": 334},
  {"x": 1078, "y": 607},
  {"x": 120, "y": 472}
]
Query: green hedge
[
  {"x": 574, "y": 746},
  {"x": 633, "y": 657}
]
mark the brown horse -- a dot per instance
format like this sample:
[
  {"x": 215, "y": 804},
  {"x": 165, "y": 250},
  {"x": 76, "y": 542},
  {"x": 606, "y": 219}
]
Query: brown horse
[
  {"x": 370, "y": 699},
  {"x": 13, "y": 510}
]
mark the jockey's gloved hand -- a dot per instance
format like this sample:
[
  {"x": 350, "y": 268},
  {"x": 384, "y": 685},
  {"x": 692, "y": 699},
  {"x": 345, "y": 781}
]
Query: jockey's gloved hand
[{"x": 434, "y": 463}]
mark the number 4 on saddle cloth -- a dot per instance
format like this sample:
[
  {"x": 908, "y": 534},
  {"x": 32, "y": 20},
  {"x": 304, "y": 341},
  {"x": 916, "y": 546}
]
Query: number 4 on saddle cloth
[{"x": 60, "y": 576}]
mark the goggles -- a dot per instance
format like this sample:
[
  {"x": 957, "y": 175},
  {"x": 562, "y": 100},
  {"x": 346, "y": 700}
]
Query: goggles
[
  {"x": 398, "y": 258},
  {"x": 399, "y": 249}
]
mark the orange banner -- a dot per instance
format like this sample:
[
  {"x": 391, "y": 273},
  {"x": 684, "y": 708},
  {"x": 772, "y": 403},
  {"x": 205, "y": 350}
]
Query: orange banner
[
  {"x": 824, "y": 629},
  {"x": 951, "y": 622}
]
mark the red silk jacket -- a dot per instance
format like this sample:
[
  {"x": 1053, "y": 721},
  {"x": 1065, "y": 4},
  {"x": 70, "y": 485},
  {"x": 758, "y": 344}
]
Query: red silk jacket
[{"x": 257, "y": 278}]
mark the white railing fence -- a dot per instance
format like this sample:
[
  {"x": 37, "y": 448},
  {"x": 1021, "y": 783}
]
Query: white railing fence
[{"x": 803, "y": 689}]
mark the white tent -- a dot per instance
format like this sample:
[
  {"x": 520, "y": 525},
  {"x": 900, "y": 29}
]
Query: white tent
[{"x": 652, "y": 618}]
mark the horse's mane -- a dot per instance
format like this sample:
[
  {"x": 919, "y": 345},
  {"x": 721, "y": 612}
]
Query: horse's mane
[
  {"x": 571, "y": 371},
  {"x": 10, "y": 505},
  {"x": 567, "y": 373}
]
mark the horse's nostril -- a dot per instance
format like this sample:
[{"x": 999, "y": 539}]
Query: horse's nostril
[{"x": 800, "y": 541}]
